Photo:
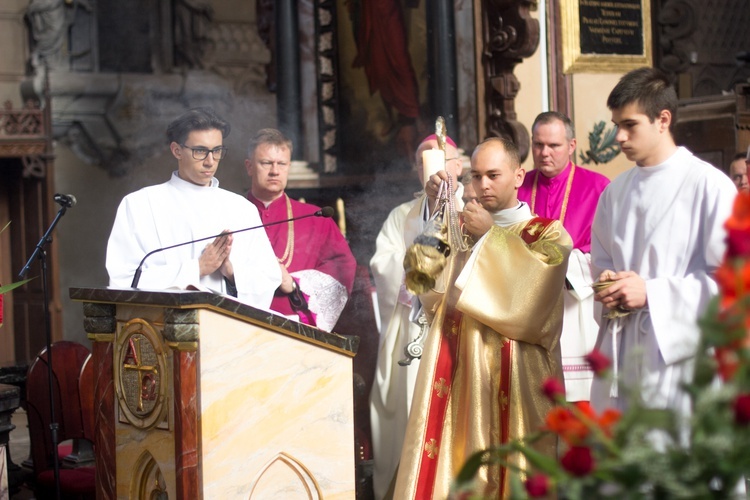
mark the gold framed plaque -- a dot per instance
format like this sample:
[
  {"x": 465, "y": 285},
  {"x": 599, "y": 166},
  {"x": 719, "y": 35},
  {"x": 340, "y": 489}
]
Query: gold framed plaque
[{"x": 605, "y": 36}]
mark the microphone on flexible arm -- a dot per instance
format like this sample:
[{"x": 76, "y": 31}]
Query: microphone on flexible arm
[
  {"x": 65, "y": 200},
  {"x": 323, "y": 212}
]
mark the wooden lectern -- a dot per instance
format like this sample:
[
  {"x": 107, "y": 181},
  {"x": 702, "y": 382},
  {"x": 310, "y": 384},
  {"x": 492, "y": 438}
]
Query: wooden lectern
[{"x": 200, "y": 396}]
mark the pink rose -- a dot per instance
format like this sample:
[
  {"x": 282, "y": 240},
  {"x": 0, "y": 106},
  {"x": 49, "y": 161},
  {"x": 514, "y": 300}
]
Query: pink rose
[
  {"x": 578, "y": 461},
  {"x": 598, "y": 362},
  {"x": 537, "y": 485},
  {"x": 553, "y": 389},
  {"x": 738, "y": 244},
  {"x": 742, "y": 409}
]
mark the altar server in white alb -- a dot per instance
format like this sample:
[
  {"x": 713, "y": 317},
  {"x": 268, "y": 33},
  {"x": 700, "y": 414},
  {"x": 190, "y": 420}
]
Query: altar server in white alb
[
  {"x": 189, "y": 206},
  {"x": 658, "y": 234}
]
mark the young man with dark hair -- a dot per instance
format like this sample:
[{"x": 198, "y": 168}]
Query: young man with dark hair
[
  {"x": 192, "y": 206},
  {"x": 658, "y": 237}
]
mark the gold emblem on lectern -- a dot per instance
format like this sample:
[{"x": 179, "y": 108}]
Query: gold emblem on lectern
[
  {"x": 140, "y": 375},
  {"x": 140, "y": 368}
]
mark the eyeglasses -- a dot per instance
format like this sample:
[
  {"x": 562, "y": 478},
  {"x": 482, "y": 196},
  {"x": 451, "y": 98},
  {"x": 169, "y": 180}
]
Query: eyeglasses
[
  {"x": 202, "y": 153},
  {"x": 267, "y": 164}
]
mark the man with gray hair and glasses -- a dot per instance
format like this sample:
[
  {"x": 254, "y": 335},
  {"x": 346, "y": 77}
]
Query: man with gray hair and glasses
[{"x": 191, "y": 206}]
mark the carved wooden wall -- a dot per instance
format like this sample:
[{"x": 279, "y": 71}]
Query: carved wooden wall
[
  {"x": 26, "y": 188},
  {"x": 509, "y": 34},
  {"x": 698, "y": 41}
]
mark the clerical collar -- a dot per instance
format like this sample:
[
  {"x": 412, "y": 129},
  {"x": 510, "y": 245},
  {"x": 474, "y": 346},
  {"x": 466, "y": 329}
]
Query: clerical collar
[
  {"x": 509, "y": 216},
  {"x": 265, "y": 204},
  {"x": 561, "y": 177},
  {"x": 183, "y": 184},
  {"x": 568, "y": 186}
]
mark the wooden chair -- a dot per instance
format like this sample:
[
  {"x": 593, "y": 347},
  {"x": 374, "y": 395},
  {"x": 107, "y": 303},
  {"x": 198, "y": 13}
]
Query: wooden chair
[{"x": 73, "y": 390}]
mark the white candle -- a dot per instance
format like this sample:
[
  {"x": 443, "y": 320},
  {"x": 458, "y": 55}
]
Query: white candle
[
  {"x": 342, "y": 216},
  {"x": 433, "y": 161}
]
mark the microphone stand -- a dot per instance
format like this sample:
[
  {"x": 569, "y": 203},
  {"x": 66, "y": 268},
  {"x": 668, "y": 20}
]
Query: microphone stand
[
  {"x": 41, "y": 254},
  {"x": 323, "y": 212}
]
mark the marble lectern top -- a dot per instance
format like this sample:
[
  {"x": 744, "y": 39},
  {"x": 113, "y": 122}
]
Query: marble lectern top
[{"x": 189, "y": 300}]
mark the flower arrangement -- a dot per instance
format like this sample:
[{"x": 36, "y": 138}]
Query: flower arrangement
[{"x": 613, "y": 455}]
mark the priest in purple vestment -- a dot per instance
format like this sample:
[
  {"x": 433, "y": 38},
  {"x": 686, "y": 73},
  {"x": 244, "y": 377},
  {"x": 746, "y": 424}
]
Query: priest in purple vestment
[
  {"x": 317, "y": 265},
  {"x": 559, "y": 189}
]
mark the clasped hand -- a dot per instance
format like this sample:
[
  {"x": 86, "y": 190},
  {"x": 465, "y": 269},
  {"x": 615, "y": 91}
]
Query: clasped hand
[
  {"x": 628, "y": 292},
  {"x": 216, "y": 256}
]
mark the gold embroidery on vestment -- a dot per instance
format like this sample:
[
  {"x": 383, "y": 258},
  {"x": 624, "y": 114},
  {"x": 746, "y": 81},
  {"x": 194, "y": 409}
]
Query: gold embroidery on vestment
[
  {"x": 503, "y": 400},
  {"x": 454, "y": 328},
  {"x": 532, "y": 229},
  {"x": 431, "y": 448},
  {"x": 441, "y": 387}
]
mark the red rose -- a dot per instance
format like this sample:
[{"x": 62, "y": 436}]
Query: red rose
[
  {"x": 537, "y": 485},
  {"x": 578, "y": 460},
  {"x": 742, "y": 409},
  {"x": 598, "y": 362},
  {"x": 738, "y": 244},
  {"x": 738, "y": 227},
  {"x": 553, "y": 389}
]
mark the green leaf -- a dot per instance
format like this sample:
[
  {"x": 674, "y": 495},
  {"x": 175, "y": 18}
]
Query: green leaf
[
  {"x": 542, "y": 462},
  {"x": 603, "y": 145},
  {"x": 472, "y": 465},
  {"x": 517, "y": 489},
  {"x": 8, "y": 288}
]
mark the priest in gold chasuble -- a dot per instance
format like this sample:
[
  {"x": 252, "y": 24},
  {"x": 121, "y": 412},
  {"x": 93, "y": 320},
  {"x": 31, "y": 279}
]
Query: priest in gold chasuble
[{"x": 494, "y": 338}]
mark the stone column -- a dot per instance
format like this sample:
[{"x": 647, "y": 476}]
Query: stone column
[
  {"x": 288, "y": 93},
  {"x": 441, "y": 63}
]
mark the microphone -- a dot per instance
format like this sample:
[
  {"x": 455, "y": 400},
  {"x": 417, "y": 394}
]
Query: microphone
[
  {"x": 65, "y": 200},
  {"x": 323, "y": 212}
]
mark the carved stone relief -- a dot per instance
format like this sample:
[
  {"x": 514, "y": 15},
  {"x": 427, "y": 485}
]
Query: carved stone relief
[
  {"x": 238, "y": 55},
  {"x": 22, "y": 134},
  {"x": 101, "y": 115}
]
